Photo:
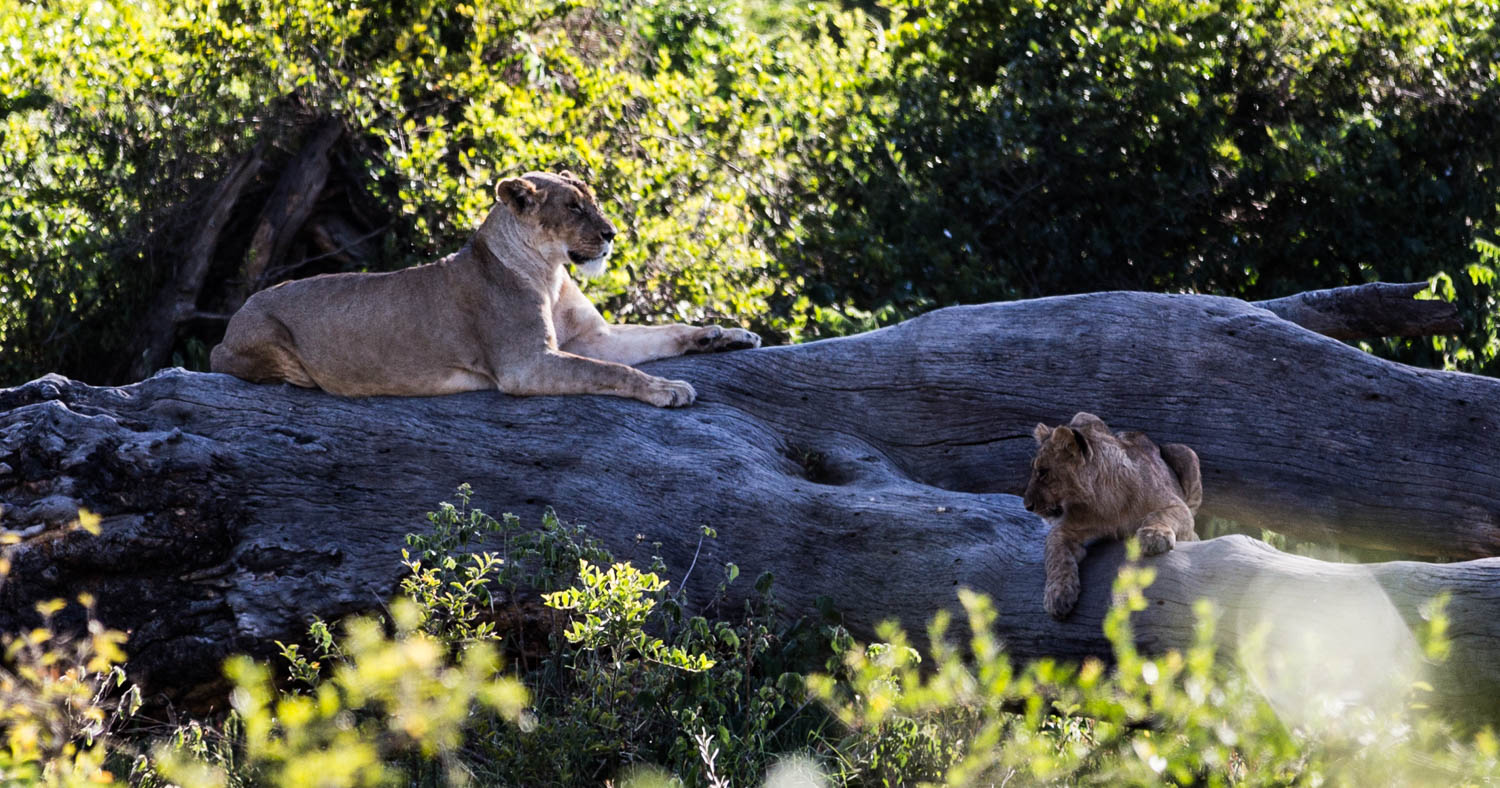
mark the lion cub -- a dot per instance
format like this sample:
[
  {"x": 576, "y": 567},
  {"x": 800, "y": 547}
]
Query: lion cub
[{"x": 1089, "y": 483}]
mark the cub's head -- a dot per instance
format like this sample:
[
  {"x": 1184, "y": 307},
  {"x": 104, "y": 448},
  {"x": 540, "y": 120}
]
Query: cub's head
[
  {"x": 1058, "y": 473},
  {"x": 559, "y": 218}
]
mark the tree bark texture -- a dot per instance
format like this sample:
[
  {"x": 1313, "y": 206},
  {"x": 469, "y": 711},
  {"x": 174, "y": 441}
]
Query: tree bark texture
[
  {"x": 1377, "y": 309},
  {"x": 289, "y": 206},
  {"x": 879, "y": 470},
  {"x": 178, "y": 300}
]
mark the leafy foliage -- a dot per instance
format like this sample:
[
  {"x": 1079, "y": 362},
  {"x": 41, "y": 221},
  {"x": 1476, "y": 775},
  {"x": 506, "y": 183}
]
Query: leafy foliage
[
  {"x": 1183, "y": 717},
  {"x": 61, "y": 702},
  {"x": 611, "y": 608},
  {"x": 636, "y": 692},
  {"x": 1245, "y": 149},
  {"x": 629, "y": 680},
  {"x": 385, "y": 697},
  {"x": 1475, "y": 288},
  {"x": 808, "y": 171}
]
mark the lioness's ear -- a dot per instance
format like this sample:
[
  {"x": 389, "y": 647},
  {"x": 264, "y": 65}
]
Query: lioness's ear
[
  {"x": 519, "y": 193},
  {"x": 1041, "y": 433},
  {"x": 576, "y": 182}
]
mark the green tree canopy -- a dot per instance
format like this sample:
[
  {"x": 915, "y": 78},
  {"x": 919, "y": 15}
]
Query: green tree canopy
[{"x": 806, "y": 170}]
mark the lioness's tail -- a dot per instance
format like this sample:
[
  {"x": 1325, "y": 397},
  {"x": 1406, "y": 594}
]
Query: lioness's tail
[{"x": 1184, "y": 462}]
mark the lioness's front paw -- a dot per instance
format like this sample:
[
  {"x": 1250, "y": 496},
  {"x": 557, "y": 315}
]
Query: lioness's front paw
[
  {"x": 1156, "y": 541},
  {"x": 1060, "y": 597},
  {"x": 670, "y": 393},
  {"x": 711, "y": 338}
]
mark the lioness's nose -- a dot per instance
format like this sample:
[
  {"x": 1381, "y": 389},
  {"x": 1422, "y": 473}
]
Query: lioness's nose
[
  {"x": 1029, "y": 504},
  {"x": 608, "y": 234}
]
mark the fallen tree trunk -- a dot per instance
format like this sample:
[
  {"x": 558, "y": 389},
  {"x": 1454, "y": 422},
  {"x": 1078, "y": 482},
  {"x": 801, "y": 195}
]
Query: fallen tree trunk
[
  {"x": 879, "y": 470},
  {"x": 1377, "y": 309}
]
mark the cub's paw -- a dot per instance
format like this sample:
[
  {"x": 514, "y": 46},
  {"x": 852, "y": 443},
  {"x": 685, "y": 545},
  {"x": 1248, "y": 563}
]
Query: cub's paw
[
  {"x": 1155, "y": 541},
  {"x": 665, "y": 393},
  {"x": 1060, "y": 597},
  {"x": 711, "y": 338}
]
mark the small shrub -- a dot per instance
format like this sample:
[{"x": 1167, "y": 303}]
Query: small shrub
[
  {"x": 62, "y": 698},
  {"x": 1186, "y": 717},
  {"x": 611, "y": 608},
  {"x": 631, "y": 681},
  {"x": 635, "y": 690},
  {"x": 387, "y": 697}
]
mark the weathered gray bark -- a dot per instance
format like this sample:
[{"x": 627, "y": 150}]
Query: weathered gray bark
[
  {"x": 1378, "y": 309},
  {"x": 879, "y": 470}
]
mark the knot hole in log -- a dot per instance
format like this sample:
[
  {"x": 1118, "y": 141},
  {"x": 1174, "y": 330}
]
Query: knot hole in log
[{"x": 839, "y": 466}]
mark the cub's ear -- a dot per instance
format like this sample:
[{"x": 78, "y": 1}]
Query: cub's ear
[
  {"x": 1083, "y": 443},
  {"x": 1041, "y": 433},
  {"x": 1082, "y": 419},
  {"x": 1072, "y": 440},
  {"x": 520, "y": 194}
]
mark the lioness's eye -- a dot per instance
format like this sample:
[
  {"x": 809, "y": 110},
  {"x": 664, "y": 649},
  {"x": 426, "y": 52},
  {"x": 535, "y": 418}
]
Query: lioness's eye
[
  {"x": 1041, "y": 473},
  {"x": 576, "y": 208}
]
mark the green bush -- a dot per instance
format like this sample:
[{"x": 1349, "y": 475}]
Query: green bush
[
  {"x": 119, "y": 118},
  {"x": 807, "y": 171},
  {"x": 630, "y": 680},
  {"x": 1244, "y": 149},
  {"x": 630, "y": 689},
  {"x": 62, "y": 702},
  {"x": 976, "y": 717}
]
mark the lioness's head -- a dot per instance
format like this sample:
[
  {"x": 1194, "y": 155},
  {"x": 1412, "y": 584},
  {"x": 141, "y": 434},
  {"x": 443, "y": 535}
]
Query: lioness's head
[
  {"x": 1059, "y": 476},
  {"x": 562, "y": 218}
]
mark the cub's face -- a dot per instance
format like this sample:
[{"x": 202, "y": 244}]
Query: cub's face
[
  {"x": 1057, "y": 478},
  {"x": 563, "y": 217}
]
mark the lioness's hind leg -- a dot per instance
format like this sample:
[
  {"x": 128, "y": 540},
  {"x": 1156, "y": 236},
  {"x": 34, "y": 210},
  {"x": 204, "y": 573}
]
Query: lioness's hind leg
[
  {"x": 258, "y": 352},
  {"x": 261, "y": 365}
]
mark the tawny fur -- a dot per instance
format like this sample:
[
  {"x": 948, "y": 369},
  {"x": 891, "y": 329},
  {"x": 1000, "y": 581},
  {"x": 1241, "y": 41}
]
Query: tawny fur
[
  {"x": 500, "y": 313},
  {"x": 1090, "y": 483}
]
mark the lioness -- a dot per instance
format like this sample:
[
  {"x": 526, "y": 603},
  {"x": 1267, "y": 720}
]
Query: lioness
[
  {"x": 1091, "y": 483},
  {"x": 500, "y": 313}
]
